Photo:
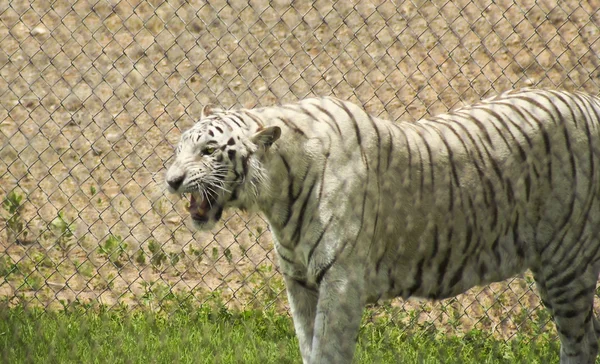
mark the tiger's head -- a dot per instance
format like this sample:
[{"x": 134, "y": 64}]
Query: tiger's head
[{"x": 216, "y": 163}]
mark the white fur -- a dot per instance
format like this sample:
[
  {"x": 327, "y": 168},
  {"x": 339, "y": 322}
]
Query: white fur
[{"x": 363, "y": 209}]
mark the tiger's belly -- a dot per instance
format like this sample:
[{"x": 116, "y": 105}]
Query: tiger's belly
[{"x": 448, "y": 277}]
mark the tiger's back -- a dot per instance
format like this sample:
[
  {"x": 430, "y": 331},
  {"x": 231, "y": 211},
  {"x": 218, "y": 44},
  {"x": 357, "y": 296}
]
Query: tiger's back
[{"x": 494, "y": 191}]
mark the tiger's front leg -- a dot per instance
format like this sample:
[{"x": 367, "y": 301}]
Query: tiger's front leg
[
  {"x": 339, "y": 312},
  {"x": 303, "y": 304}
]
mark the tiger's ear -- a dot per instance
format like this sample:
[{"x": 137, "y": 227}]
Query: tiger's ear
[
  {"x": 267, "y": 136},
  {"x": 208, "y": 110}
]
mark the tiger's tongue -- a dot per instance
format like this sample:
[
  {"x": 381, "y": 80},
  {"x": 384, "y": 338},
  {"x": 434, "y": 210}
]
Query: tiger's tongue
[{"x": 195, "y": 207}]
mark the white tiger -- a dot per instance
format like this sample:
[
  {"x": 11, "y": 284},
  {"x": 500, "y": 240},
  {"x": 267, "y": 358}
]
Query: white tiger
[{"x": 363, "y": 209}]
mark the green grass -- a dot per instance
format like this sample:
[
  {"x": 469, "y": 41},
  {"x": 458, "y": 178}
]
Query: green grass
[{"x": 203, "y": 335}]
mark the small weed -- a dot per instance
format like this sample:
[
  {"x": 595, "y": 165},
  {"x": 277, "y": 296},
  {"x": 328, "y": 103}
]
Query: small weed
[
  {"x": 114, "y": 249},
  {"x": 195, "y": 253},
  {"x": 34, "y": 282},
  {"x": 86, "y": 268},
  {"x": 265, "y": 268},
  {"x": 243, "y": 250},
  {"x": 155, "y": 293},
  {"x": 42, "y": 260},
  {"x": 110, "y": 281},
  {"x": 63, "y": 231},
  {"x": 158, "y": 254},
  {"x": 266, "y": 285},
  {"x": 215, "y": 253},
  {"x": 92, "y": 190},
  {"x": 102, "y": 283},
  {"x": 158, "y": 207},
  {"x": 7, "y": 266},
  {"x": 14, "y": 224},
  {"x": 228, "y": 255},
  {"x": 140, "y": 257},
  {"x": 174, "y": 258}
]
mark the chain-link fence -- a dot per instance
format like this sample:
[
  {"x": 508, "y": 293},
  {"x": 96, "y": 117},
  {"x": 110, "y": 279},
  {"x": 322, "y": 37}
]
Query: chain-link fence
[{"x": 94, "y": 94}]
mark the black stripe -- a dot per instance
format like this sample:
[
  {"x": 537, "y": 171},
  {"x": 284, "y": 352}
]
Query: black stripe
[
  {"x": 468, "y": 116},
  {"x": 495, "y": 246},
  {"x": 253, "y": 117},
  {"x": 574, "y": 255},
  {"x": 516, "y": 109},
  {"x": 450, "y": 127},
  {"x": 299, "y": 221},
  {"x": 516, "y": 238},
  {"x": 284, "y": 258},
  {"x": 453, "y": 172},
  {"x": 290, "y": 193},
  {"x": 430, "y": 157},
  {"x": 323, "y": 175},
  {"x": 564, "y": 224},
  {"x": 391, "y": 148},
  {"x": 559, "y": 95},
  {"x": 562, "y": 122},
  {"x": 417, "y": 279},
  {"x": 321, "y": 274},
  {"x": 543, "y": 131},
  {"x": 492, "y": 190},
  {"x": 475, "y": 147},
  {"x": 301, "y": 182},
  {"x": 319, "y": 239},
  {"x": 563, "y": 277},
  {"x": 436, "y": 244},
  {"x": 326, "y": 112},
  {"x": 291, "y": 125},
  {"x": 443, "y": 267},
  {"x": 356, "y": 130},
  {"x": 362, "y": 217},
  {"x": 392, "y": 284},
  {"x": 482, "y": 270},
  {"x": 314, "y": 117},
  {"x": 339, "y": 251},
  {"x": 527, "y": 187},
  {"x": 507, "y": 129},
  {"x": 238, "y": 118},
  {"x": 408, "y": 150},
  {"x": 468, "y": 239},
  {"x": 458, "y": 275},
  {"x": 588, "y": 134},
  {"x": 231, "y": 119},
  {"x": 421, "y": 174},
  {"x": 567, "y": 313},
  {"x": 378, "y": 144},
  {"x": 245, "y": 163},
  {"x": 301, "y": 283},
  {"x": 568, "y": 297}
]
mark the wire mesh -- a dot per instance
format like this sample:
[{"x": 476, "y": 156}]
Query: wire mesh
[{"x": 94, "y": 95}]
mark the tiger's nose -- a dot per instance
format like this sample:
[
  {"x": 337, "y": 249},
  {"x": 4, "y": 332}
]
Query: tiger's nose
[{"x": 175, "y": 182}]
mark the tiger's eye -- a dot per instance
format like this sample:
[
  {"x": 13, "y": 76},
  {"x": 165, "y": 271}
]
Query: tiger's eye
[{"x": 208, "y": 150}]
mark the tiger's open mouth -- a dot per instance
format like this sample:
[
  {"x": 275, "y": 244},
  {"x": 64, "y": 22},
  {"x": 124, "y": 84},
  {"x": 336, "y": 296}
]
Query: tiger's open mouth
[
  {"x": 200, "y": 206},
  {"x": 204, "y": 209}
]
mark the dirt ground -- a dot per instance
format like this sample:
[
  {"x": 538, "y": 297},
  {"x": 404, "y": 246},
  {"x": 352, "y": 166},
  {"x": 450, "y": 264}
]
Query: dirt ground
[{"x": 94, "y": 94}]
